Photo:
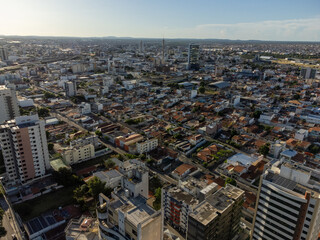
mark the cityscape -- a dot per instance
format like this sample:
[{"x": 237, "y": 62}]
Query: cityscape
[{"x": 122, "y": 137}]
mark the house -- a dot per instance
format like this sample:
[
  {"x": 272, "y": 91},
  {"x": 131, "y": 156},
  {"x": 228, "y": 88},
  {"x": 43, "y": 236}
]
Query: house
[{"x": 183, "y": 170}]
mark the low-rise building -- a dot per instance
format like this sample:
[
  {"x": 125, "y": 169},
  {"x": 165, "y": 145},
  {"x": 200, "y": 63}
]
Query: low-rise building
[
  {"x": 147, "y": 145},
  {"x": 73, "y": 155}
]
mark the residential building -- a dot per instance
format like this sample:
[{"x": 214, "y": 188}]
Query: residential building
[
  {"x": 177, "y": 204},
  {"x": 73, "y": 155},
  {"x": 3, "y": 54},
  {"x": 124, "y": 217},
  {"x": 136, "y": 181},
  {"x": 218, "y": 216},
  {"x": 70, "y": 88},
  {"x": 307, "y": 73},
  {"x": 24, "y": 148},
  {"x": 83, "y": 228},
  {"x": 288, "y": 205},
  {"x": 9, "y": 108},
  {"x": 193, "y": 57},
  {"x": 147, "y": 145}
]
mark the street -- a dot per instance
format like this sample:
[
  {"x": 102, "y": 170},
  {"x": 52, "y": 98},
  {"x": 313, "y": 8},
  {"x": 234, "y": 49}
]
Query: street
[{"x": 6, "y": 220}]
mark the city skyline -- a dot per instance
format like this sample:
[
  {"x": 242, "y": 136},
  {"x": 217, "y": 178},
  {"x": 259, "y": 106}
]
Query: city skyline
[{"x": 284, "y": 21}]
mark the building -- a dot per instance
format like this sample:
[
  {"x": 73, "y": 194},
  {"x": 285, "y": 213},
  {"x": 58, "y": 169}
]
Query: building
[
  {"x": 307, "y": 73},
  {"x": 70, "y": 88},
  {"x": 218, "y": 216},
  {"x": 9, "y": 108},
  {"x": 81, "y": 229},
  {"x": 124, "y": 217},
  {"x": 24, "y": 148},
  {"x": 193, "y": 57},
  {"x": 147, "y": 145},
  {"x": 136, "y": 181},
  {"x": 177, "y": 204},
  {"x": 288, "y": 205},
  {"x": 77, "y": 154},
  {"x": 3, "y": 54}
]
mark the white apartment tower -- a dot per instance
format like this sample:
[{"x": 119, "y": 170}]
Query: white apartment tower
[
  {"x": 71, "y": 88},
  {"x": 24, "y": 148},
  {"x": 288, "y": 206},
  {"x": 9, "y": 108}
]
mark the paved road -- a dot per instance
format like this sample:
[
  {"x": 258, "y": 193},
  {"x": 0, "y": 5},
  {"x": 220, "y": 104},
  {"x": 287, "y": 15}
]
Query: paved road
[{"x": 7, "y": 220}]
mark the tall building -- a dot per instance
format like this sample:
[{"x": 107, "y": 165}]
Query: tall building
[
  {"x": 126, "y": 215},
  {"x": 288, "y": 204},
  {"x": 24, "y": 148},
  {"x": 308, "y": 73},
  {"x": 3, "y": 54},
  {"x": 71, "y": 88},
  {"x": 193, "y": 57},
  {"x": 218, "y": 216},
  {"x": 9, "y": 108}
]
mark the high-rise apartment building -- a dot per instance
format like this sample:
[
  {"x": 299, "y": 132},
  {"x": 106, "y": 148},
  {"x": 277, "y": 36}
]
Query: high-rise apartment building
[
  {"x": 193, "y": 57},
  {"x": 218, "y": 216},
  {"x": 24, "y": 148},
  {"x": 9, "y": 108},
  {"x": 288, "y": 205},
  {"x": 71, "y": 88},
  {"x": 3, "y": 54},
  {"x": 308, "y": 73}
]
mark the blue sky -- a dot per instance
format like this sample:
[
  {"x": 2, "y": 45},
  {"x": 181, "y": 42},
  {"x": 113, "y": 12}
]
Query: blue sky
[{"x": 233, "y": 19}]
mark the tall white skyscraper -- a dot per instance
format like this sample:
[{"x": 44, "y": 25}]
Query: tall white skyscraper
[
  {"x": 9, "y": 108},
  {"x": 288, "y": 206},
  {"x": 24, "y": 148}
]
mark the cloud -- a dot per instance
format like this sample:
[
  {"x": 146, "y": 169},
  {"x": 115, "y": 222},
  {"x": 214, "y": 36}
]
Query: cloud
[{"x": 282, "y": 30}]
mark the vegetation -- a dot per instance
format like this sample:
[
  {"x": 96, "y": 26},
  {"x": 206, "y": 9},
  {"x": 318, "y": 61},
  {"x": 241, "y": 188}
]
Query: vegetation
[
  {"x": 109, "y": 164},
  {"x": 35, "y": 207},
  {"x": 202, "y": 89},
  {"x": 157, "y": 201},
  {"x": 98, "y": 133},
  {"x": 65, "y": 177},
  {"x": 230, "y": 181},
  {"x": 314, "y": 149},
  {"x": 131, "y": 121},
  {"x": 48, "y": 95},
  {"x": 43, "y": 112},
  {"x": 264, "y": 150},
  {"x": 50, "y": 146}
]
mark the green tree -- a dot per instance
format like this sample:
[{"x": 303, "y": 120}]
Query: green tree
[
  {"x": 296, "y": 96},
  {"x": 43, "y": 112},
  {"x": 50, "y": 146},
  {"x": 65, "y": 177},
  {"x": 257, "y": 114},
  {"x": 98, "y": 133},
  {"x": 157, "y": 201},
  {"x": 3, "y": 231},
  {"x": 231, "y": 181},
  {"x": 264, "y": 150},
  {"x": 109, "y": 164},
  {"x": 202, "y": 89},
  {"x": 96, "y": 187}
]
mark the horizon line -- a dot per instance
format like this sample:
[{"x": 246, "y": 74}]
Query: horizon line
[{"x": 156, "y": 38}]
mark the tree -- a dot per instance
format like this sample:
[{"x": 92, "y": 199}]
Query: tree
[
  {"x": 96, "y": 187},
  {"x": 296, "y": 96},
  {"x": 98, "y": 133},
  {"x": 157, "y": 201},
  {"x": 50, "y": 146},
  {"x": 264, "y": 150},
  {"x": 3, "y": 231},
  {"x": 43, "y": 112},
  {"x": 257, "y": 114},
  {"x": 231, "y": 181},
  {"x": 65, "y": 177},
  {"x": 109, "y": 164},
  {"x": 202, "y": 89}
]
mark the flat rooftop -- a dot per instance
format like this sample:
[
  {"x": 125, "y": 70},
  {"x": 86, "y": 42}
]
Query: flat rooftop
[{"x": 180, "y": 195}]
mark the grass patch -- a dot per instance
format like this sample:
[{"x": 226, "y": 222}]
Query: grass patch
[
  {"x": 35, "y": 207},
  {"x": 89, "y": 163}
]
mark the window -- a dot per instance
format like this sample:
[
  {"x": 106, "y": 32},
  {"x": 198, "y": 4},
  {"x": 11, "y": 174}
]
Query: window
[{"x": 134, "y": 232}]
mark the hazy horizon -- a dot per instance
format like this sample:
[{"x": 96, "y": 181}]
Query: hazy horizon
[{"x": 287, "y": 20}]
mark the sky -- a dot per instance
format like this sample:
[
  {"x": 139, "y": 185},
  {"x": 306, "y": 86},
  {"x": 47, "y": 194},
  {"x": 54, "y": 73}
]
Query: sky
[{"x": 281, "y": 20}]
